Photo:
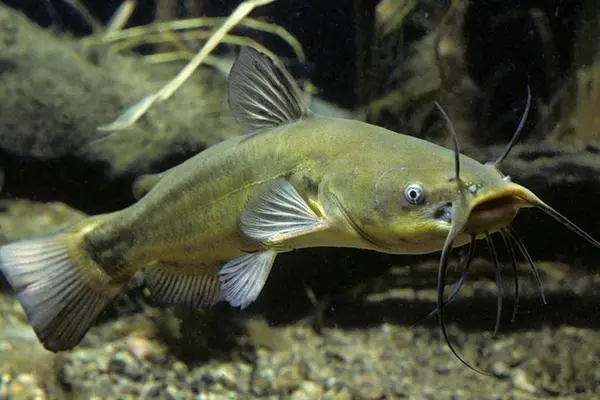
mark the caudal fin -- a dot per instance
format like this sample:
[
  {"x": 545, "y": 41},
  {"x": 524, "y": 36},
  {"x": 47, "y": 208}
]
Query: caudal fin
[{"x": 60, "y": 287}]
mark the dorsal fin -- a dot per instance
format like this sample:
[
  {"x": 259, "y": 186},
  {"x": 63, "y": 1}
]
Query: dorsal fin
[{"x": 262, "y": 94}]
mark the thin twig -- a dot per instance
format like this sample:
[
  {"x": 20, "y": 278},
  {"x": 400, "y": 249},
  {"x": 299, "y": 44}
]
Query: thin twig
[
  {"x": 120, "y": 17},
  {"x": 131, "y": 115},
  {"x": 229, "y": 39},
  {"x": 86, "y": 15},
  {"x": 196, "y": 23}
]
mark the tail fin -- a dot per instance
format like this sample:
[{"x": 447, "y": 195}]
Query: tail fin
[{"x": 60, "y": 287}]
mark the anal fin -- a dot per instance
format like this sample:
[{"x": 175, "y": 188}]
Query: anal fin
[
  {"x": 242, "y": 279},
  {"x": 191, "y": 284}
]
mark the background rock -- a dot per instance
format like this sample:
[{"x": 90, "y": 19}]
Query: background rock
[{"x": 55, "y": 95}]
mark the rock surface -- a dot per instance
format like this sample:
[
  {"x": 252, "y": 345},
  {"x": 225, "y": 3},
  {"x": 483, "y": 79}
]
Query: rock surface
[{"x": 382, "y": 361}]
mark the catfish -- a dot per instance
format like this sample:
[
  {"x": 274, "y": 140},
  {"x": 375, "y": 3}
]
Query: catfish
[{"x": 210, "y": 228}]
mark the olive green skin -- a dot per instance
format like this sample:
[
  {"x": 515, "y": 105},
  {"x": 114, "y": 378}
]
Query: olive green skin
[{"x": 352, "y": 173}]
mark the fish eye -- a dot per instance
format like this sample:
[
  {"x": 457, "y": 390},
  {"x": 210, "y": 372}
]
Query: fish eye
[{"x": 414, "y": 193}]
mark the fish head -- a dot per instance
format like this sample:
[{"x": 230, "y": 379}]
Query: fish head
[{"x": 411, "y": 205}]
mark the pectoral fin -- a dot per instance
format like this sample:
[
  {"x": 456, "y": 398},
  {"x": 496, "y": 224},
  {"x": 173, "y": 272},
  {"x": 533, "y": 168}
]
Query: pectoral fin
[
  {"x": 242, "y": 279},
  {"x": 192, "y": 285},
  {"x": 277, "y": 213}
]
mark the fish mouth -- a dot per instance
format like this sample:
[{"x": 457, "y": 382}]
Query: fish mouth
[{"x": 495, "y": 209}]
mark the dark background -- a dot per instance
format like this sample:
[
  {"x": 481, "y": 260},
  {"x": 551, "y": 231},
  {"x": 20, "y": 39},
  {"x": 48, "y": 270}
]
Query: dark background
[{"x": 505, "y": 49}]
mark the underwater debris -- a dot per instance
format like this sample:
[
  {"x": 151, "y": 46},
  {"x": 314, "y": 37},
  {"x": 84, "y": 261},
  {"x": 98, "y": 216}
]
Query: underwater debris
[
  {"x": 578, "y": 100},
  {"x": 179, "y": 33},
  {"x": 131, "y": 115},
  {"x": 49, "y": 119},
  {"x": 580, "y": 124},
  {"x": 405, "y": 74}
]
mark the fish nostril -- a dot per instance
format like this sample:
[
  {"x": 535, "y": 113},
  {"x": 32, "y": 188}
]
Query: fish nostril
[{"x": 444, "y": 213}]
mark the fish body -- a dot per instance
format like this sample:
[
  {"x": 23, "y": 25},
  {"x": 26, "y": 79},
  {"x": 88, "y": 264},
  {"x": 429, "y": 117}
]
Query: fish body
[
  {"x": 210, "y": 228},
  {"x": 199, "y": 202}
]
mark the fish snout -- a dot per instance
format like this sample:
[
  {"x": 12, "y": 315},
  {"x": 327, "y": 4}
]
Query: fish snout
[
  {"x": 495, "y": 210},
  {"x": 492, "y": 216}
]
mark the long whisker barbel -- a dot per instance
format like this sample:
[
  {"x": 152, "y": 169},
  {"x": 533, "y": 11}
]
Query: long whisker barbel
[
  {"x": 454, "y": 137},
  {"x": 511, "y": 251},
  {"x": 499, "y": 280},
  {"x": 521, "y": 246},
  {"x": 463, "y": 277},
  {"x": 517, "y": 133},
  {"x": 441, "y": 284}
]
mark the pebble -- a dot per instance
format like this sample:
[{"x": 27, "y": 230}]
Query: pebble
[
  {"x": 500, "y": 370},
  {"x": 173, "y": 393},
  {"x": 442, "y": 369},
  {"x": 308, "y": 391},
  {"x": 368, "y": 386},
  {"x": 102, "y": 387},
  {"x": 151, "y": 389},
  {"x": 180, "y": 370},
  {"x": 144, "y": 349},
  {"x": 202, "y": 382},
  {"x": 521, "y": 381},
  {"x": 290, "y": 377},
  {"x": 226, "y": 376},
  {"x": 123, "y": 363},
  {"x": 263, "y": 382},
  {"x": 338, "y": 394}
]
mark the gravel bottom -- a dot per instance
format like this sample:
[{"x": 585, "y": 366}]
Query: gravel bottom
[{"x": 132, "y": 357}]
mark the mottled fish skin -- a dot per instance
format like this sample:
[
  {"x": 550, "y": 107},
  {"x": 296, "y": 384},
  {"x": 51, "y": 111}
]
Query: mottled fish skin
[{"x": 209, "y": 229}]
